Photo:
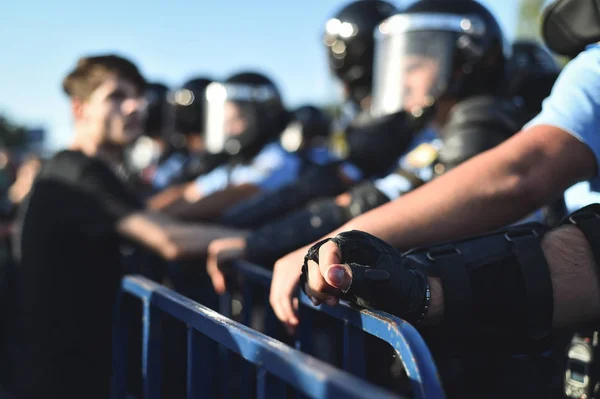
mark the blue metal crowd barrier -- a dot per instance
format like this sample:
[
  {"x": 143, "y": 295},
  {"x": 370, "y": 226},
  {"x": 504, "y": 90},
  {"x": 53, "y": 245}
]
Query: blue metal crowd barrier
[
  {"x": 306, "y": 374},
  {"x": 400, "y": 335}
]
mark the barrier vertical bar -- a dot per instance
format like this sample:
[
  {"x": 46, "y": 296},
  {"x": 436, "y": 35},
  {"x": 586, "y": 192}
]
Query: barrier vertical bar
[
  {"x": 151, "y": 355},
  {"x": 224, "y": 355},
  {"x": 120, "y": 349},
  {"x": 247, "y": 368},
  {"x": 354, "y": 359},
  {"x": 201, "y": 353}
]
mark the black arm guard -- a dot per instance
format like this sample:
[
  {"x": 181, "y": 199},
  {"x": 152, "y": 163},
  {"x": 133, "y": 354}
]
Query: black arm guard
[
  {"x": 303, "y": 227},
  {"x": 496, "y": 286},
  {"x": 316, "y": 181},
  {"x": 291, "y": 232},
  {"x": 477, "y": 125}
]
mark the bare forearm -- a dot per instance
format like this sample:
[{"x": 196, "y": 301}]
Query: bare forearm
[
  {"x": 212, "y": 206},
  {"x": 492, "y": 190}
]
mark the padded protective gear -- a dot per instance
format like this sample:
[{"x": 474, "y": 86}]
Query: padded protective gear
[
  {"x": 476, "y": 125},
  {"x": 290, "y": 232},
  {"x": 495, "y": 286},
  {"x": 304, "y": 226},
  {"x": 568, "y": 26},
  {"x": 317, "y": 181}
]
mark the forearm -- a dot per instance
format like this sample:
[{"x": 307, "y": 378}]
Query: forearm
[
  {"x": 212, "y": 206},
  {"x": 494, "y": 189},
  {"x": 166, "y": 197},
  {"x": 192, "y": 241}
]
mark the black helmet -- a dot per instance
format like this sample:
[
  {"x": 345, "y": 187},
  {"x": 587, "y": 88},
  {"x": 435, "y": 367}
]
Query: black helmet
[
  {"x": 568, "y": 26},
  {"x": 434, "y": 49},
  {"x": 157, "y": 119},
  {"x": 243, "y": 114},
  {"x": 189, "y": 102},
  {"x": 349, "y": 40},
  {"x": 309, "y": 126}
]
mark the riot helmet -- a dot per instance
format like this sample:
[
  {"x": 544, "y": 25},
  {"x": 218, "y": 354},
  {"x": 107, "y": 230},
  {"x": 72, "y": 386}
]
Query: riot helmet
[
  {"x": 189, "y": 103},
  {"x": 568, "y": 26},
  {"x": 349, "y": 40},
  {"x": 309, "y": 127},
  {"x": 243, "y": 114},
  {"x": 437, "y": 49}
]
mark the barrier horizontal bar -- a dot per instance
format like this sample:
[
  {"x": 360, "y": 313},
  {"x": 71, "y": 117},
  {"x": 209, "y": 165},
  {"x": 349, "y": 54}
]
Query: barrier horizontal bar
[
  {"x": 402, "y": 336},
  {"x": 307, "y": 374}
]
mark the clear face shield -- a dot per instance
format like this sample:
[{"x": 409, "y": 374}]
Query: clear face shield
[
  {"x": 232, "y": 111},
  {"x": 415, "y": 59}
]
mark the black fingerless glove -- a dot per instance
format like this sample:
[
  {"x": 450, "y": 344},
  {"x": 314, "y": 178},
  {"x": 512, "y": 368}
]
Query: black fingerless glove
[{"x": 382, "y": 279}]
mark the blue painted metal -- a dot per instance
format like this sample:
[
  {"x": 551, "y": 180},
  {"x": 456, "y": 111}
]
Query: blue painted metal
[
  {"x": 402, "y": 336},
  {"x": 151, "y": 354},
  {"x": 354, "y": 350},
  {"x": 305, "y": 373}
]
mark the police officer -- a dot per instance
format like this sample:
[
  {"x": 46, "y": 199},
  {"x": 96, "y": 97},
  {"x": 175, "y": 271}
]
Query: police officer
[
  {"x": 449, "y": 63},
  {"x": 244, "y": 117},
  {"x": 187, "y": 157},
  {"x": 524, "y": 278}
]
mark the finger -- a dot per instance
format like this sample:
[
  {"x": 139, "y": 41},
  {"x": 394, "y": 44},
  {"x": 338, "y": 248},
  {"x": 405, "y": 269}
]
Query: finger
[
  {"x": 329, "y": 254},
  {"x": 316, "y": 286},
  {"x": 282, "y": 307},
  {"x": 218, "y": 282},
  {"x": 338, "y": 276},
  {"x": 217, "y": 278}
]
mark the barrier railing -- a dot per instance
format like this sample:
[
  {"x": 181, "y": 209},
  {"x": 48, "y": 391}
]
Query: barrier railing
[
  {"x": 306, "y": 374},
  {"x": 400, "y": 335}
]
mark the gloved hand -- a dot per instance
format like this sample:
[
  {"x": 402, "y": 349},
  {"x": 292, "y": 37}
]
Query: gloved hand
[{"x": 367, "y": 271}]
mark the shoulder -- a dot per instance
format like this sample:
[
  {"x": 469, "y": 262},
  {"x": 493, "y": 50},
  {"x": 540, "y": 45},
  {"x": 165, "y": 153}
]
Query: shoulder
[{"x": 66, "y": 165}]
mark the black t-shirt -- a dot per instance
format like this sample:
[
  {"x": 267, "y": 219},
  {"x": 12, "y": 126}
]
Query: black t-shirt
[{"x": 66, "y": 277}]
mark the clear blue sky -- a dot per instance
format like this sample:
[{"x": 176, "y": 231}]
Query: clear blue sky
[{"x": 171, "y": 41}]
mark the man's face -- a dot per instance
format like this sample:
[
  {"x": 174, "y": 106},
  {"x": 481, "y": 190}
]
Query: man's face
[
  {"x": 420, "y": 76},
  {"x": 114, "y": 113},
  {"x": 235, "y": 121}
]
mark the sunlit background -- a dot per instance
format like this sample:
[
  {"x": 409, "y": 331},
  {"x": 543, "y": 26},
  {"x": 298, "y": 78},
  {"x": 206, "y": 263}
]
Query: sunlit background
[{"x": 173, "y": 41}]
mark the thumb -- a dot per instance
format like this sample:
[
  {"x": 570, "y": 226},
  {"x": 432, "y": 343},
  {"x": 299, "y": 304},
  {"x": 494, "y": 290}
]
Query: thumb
[{"x": 339, "y": 276}]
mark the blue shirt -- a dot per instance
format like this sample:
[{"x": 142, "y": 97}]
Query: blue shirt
[
  {"x": 270, "y": 169},
  {"x": 574, "y": 106}
]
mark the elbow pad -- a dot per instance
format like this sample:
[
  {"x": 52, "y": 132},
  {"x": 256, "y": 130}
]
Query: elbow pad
[
  {"x": 293, "y": 231},
  {"x": 317, "y": 181}
]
